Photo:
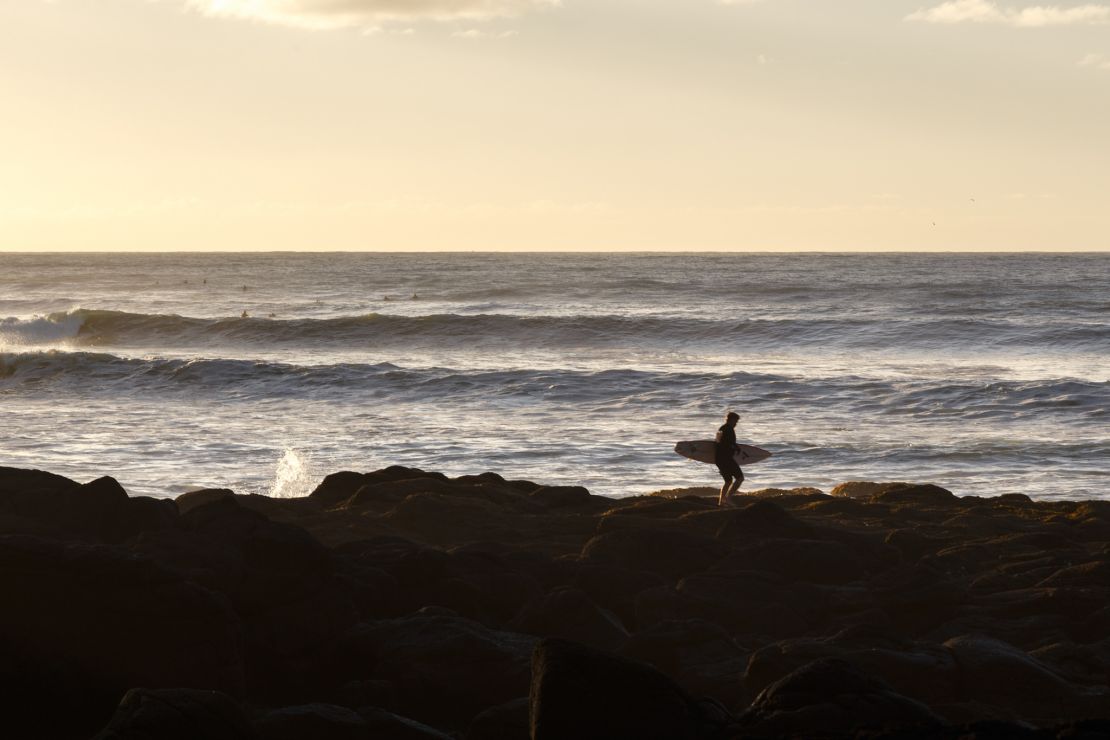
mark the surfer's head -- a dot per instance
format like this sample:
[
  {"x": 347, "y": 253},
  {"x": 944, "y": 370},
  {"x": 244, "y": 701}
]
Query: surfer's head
[{"x": 732, "y": 417}]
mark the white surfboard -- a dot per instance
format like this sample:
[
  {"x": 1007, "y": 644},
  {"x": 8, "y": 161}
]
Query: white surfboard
[{"x": 705, "y": 451}]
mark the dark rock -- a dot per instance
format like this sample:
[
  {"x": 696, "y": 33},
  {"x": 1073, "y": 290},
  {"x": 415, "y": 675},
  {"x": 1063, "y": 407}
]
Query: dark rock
[
  {"x": 812, "y": 561},
  {"x": 357, "y": 694},
  {"x": 911, "y": 543},
  {"x": 16, "y": 480},
  {"x": 474, "y": 581},
  {"x": 615, "y": 588},
  {"x": 445, "y": 670},
  {"x": 447, "y": 519},
  {"x": 99, "y": 511},
  {"x": 995, "y": 673},
  {"x": 578, "y": 692},
  {"x": 186, "y": 502},
  {"x": 177, "y": 714},
  {"x": 507, "y": 721},
  {"x": 668, "y": 553},
  {"x": 749, "y": 602},
  {"x": 831, "y": 696},
  {"x": 281, "y": 581},
  {"x": 925, "y": 672},
  {"x": 763, "y": 520},
  {"x": 383, "y": 725},
  {"x": 554, "y": 497},
  {"x": 700, "y": 655},
  {"x": 388, "y": 493},
  {"x": 1085, "y": 574},
  {"x": 330, "y": 722},
  {"x": 1088, "y": 729},
  {"x": 923, "y": 495},
  {"x": 916, "y": 597},
  {"x": 83, "y": 624},
  {"x": 338, "y": 487},
  {"x": 650, "y": 507},
  {"x": 569, "y": 613}
]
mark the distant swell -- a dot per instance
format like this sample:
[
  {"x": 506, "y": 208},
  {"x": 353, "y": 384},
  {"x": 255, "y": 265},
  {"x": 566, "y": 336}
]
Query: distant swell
[
  {"x": 602, "y": 391},
  {"x": 94, "y": 328}
]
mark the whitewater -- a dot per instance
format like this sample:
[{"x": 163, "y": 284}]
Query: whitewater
[{"x": 985, "y": 374}]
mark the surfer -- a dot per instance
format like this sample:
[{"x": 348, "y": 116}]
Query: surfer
[{"x": 726, "y": 459}]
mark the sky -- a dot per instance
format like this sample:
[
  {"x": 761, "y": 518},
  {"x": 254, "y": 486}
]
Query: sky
[{"x": 746, "y": 125}]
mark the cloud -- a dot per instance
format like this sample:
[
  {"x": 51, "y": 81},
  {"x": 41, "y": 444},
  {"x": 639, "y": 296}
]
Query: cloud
[
  {"x": 1096, "y": 61},
  {"x": 477, "y": 33},
  {"x": 365, "y": 14},
  {"x": 986, "y": 11}
]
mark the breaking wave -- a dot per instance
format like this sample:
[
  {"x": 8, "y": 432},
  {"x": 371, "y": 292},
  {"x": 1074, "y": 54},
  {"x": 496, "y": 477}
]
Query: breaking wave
[
  {"x": 83, "y": 328},
  {"x": 607, "y": 390}
]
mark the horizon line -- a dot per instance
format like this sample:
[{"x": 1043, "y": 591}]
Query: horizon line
[{"x": 555, "y": 251}]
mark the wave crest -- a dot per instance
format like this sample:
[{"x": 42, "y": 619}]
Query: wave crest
[{"x": 102, "y": 328}]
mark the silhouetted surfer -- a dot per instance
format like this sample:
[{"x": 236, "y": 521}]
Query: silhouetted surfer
[{"x": 726, "y": 459}]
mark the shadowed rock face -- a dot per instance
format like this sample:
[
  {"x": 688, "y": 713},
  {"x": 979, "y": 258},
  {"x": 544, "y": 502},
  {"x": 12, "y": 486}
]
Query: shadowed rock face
[
  {"x": 177, "y": 714},
  {"x": 402, "y": 603},
  {"x": 584, "y": 693},
  {"x": 831, "y": 695}
]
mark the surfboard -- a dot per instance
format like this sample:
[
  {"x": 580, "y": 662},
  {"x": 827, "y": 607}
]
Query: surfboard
[{"x": 705, "y": 451}]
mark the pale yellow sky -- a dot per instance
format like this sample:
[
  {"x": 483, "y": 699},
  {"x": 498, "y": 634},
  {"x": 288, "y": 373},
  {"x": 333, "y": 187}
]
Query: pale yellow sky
[{"x": 536, "y": 124}]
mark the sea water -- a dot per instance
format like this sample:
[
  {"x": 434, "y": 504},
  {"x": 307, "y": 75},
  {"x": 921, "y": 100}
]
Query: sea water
[{"x": 985, "y": 374}]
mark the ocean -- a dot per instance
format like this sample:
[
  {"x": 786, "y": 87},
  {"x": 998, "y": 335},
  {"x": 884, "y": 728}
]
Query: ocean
[{"x": 983, "y": 373}]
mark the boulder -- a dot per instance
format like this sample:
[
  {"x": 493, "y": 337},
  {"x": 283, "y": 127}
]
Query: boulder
[
  {"x": 16, "y": 480},
  {"x": 861, "y": 489},
  {"x": 82, "y": 624},
  {"x": 919, "y": 495},
  {"x": 998, "y": 674},
  {"x": 186, "y": 502},
  {"x": 811, "y": 561},
  {"x": 316, "y": 721},
  {"x": 508, "y": 721},
  {"x": 1084, "y": 574},
  {"x": 383, "y": 725},
  {"x": 444, "y": 669},
  {"x": 41, "y": 504},
  {"x": 916, "y": 597},
  {"x": 700, "y": 655},
  {"x": 579, "y": 692},
  {"x": 832, "y": 696},
  {"x": 569, "y": 613},
  {"x": 555, "y": 497},
  {"x": 672, "y": 554},
  {"x": 922, "y": 671},
  {"x": 338, "y": 487},
  {"x": 762, "y": 520},
  {"x": 750, "y": 602},
  {"x": 177, "y": 714},
  {"x": 615, "y": 588},
  {"x": 331, "y": 722},
  {"x": 280, "y": 580}
]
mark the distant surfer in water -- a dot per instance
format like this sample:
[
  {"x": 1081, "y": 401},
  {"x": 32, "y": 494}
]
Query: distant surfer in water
[{"x": 726, "y": 459}]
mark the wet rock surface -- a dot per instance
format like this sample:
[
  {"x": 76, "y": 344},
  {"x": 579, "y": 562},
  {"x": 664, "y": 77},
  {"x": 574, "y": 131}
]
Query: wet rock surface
[{"x": 404, "y": 604}]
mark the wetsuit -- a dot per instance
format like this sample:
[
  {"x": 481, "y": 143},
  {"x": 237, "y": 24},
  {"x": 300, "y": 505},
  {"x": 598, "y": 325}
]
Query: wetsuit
[{"x": 725, "y": 456}]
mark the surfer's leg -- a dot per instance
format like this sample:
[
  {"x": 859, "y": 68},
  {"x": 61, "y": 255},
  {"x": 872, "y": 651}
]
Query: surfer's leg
[
  {"x": 734, "y": 485},
  {"x": 725, "y": 487},
  {"x": 737, "y": 480}
]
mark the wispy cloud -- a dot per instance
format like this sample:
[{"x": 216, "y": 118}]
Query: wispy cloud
[
  {"x": 1096, "y": 61},
  {"x": 477, "y": 33},
  {"x": 1036, "y": 16},
  {"x": 365, "y": 14}
]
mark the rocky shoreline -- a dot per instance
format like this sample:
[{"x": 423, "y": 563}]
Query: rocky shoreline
[{"x": 402, "y": 604}]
